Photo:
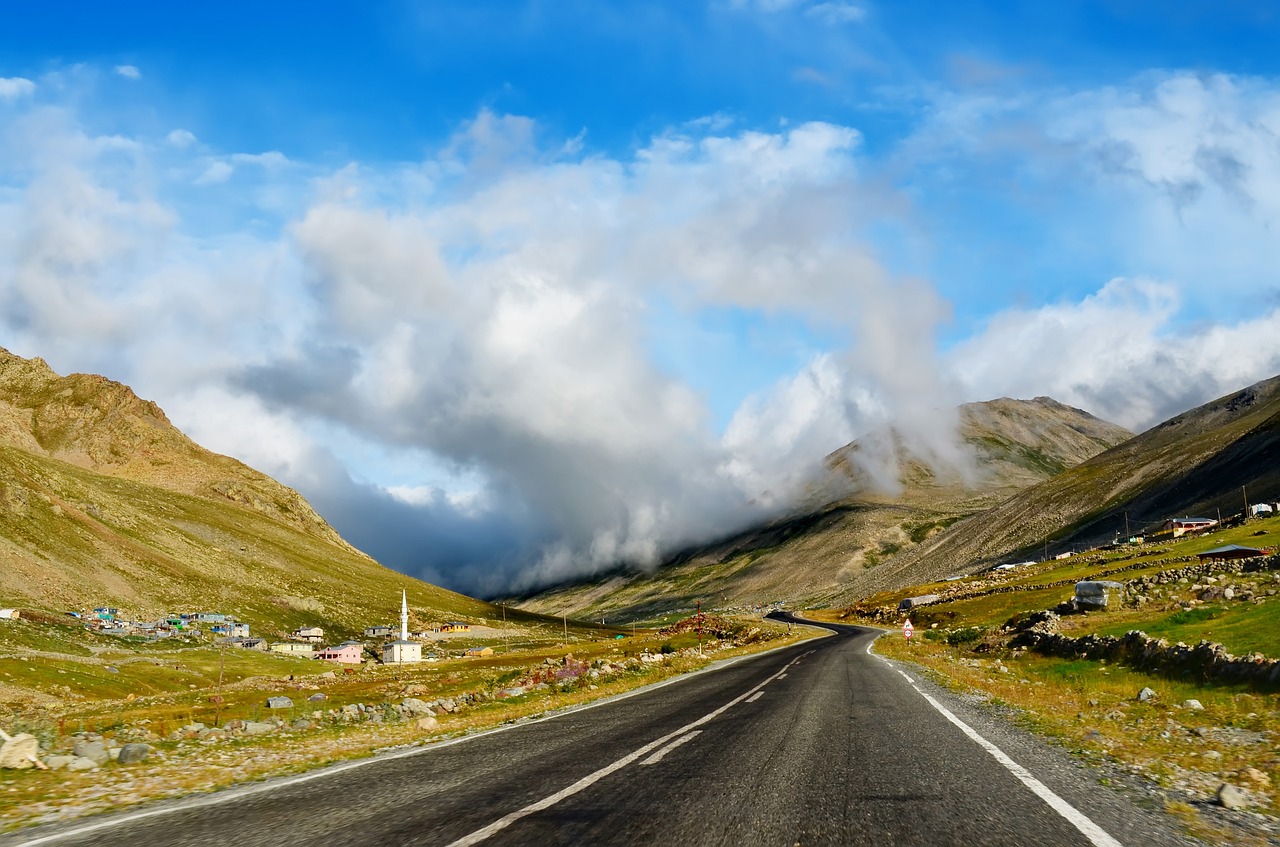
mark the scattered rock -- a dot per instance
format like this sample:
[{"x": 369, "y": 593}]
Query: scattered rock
[
  {"x": 1092, "y": 737},
  {"x": 1146, "y": 694},
  {"x": 414, "y": 706},
  {"x": 59, "y": 762},
  {"x": 1230, "y": 797},
  {"x": 328, "y": 675},
  {"x": 19, "y": 750},
  {"x": 1114, "y": 715},
  {"x": 131, "y": 754},
  {"x": 258, "y": 727},
  {"x": 279, "y": 703},
  {"x": 318, "y": 697},
  {"x": 513, "y": 691},
  {"x": 1193, "y": 705},
  {"x": 427, "y": 723},
  {"x": 95, "y": 750},
  {"x": 301, "y": 724},
  {"x": 1255, "y": 776},
  {"x": 1228, "y": 594},
  {"x": 82, "y": 763}
]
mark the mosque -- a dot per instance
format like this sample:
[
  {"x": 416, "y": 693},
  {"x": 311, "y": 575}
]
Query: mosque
[{"x": 403, "y": 651}]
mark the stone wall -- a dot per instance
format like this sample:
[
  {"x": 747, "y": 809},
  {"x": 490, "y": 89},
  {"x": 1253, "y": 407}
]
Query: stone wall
[{"x": 1204, "y": 662}]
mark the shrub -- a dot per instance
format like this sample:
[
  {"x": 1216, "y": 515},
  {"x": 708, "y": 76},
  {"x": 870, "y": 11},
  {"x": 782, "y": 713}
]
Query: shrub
[
  {"x": 967, "y": 635},
  {"x": 667, "y": 648}
]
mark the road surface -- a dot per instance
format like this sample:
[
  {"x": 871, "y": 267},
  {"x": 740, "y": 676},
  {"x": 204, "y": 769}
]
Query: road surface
[{"x": 818, "y": 744}]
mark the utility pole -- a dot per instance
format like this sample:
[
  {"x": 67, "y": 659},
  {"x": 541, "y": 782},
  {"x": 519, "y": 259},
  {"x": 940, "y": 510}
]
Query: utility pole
[
  {"x": 222, "y": 664},
  {"x": 1127, "y": 534},
  {"x": 564, "y": 616},
  {"x": 699, "y": 627}
]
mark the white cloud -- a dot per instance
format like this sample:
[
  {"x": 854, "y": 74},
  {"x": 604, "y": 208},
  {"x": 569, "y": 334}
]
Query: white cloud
[
  {"x": 1118, "y": 354},
  {"x": 216, "y": 173},
  {"x": 128, "y": 71},
  {"x": 11, "y": 88},
  {"x": 835, "y": 14},
  {"x": 181, "y": 138}
]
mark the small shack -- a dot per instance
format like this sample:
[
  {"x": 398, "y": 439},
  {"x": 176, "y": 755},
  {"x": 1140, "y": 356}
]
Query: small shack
[
  {"x": 909, "y": 603},
  {"x": 1228, "y": 552},
  {"x": 10, "y": 614},
  {"x": 477, "y": 652}
]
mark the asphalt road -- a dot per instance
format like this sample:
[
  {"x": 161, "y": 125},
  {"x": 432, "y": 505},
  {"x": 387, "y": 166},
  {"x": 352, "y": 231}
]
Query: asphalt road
[{"x": 822, "y": 743}]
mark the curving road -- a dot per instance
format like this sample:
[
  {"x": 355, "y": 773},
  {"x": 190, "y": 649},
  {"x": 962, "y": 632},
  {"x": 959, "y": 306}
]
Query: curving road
[{"x": 818, "y": 744}]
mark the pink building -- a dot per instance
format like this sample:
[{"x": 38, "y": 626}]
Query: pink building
[{"x": 348, "y": 652}]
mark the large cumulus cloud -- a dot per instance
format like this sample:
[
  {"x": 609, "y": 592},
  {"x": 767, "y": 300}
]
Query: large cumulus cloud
[{"x": 454, "y": 358}]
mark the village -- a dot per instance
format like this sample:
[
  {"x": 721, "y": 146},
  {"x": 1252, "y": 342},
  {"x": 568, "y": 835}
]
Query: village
[{"x": 386, "y": 644}]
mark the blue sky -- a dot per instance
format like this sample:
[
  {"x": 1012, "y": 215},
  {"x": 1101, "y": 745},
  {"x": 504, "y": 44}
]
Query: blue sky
[{"x": 534, "y": 287}]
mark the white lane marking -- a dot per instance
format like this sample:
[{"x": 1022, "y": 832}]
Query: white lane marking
[
  {"x": 1096, "y": 834},
  {"x": 236, "y": 793},
  {"x": 592, "y": 778},
  {"x": 904, "y": 676},
  {"x": 783, "y": 676},
  {"x": 657, "y": 757},
  {"x": 755, "y": 697}
]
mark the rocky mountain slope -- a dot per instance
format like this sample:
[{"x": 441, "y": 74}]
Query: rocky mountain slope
[
  {"x": 104, "y": 502},
  {"x": 1197, "y": 463},
  {"x": 850, "y": 524}
]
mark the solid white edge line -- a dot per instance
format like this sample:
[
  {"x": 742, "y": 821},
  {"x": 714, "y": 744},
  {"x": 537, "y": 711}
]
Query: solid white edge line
[
  {"x": 684, "y": 739},
  {"x": 236, "y": 793},
  {"x": 590, "y": 779},
  {"x": 1096, "y": 834}
]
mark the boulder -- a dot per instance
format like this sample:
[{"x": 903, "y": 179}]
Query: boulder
[
  {"x": 1145, "y": 695},
  {"x": 59, "y": 762},
  {"x": 258, "y": 727},
  {"x": 1230, "y": 797},
  {"x": 1193, "y": 705},
  {"x": 427, "y": 723},
  {"x": 132, "y": 754},
  {"x": 513, "y": 691},
  {"x": 19, "y": 751},
  {"x": 1092, "y": 593},
  {"x": 414, "y": 706},
  {"x": 279, "y": 703},
  {"x": 95, "y": 750},
  {"x": 318, "y": 697},
  {"x": 82, "y": 763}
]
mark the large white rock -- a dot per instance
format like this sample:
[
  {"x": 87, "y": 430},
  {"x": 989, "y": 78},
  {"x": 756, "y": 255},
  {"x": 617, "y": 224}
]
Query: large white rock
[{"x": 19, "y": 750}]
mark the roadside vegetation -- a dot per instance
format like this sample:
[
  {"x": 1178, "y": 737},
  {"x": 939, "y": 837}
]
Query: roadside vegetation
[
  {"x": 65, "y": 685},
  {"x": 1189, "y": 735}
]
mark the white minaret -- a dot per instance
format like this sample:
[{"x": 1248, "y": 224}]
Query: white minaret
[{"x": 404, "y": 650}]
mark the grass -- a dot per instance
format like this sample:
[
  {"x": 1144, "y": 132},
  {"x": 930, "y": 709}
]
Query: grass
[{"x": 165, "y": 688}]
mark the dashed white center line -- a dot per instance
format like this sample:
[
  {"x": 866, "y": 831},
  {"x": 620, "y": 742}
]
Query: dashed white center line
[
  {"x": 487, "y": 832},
  {"x": 657, "y": 757},
  {"x": 755, "y": 697}
]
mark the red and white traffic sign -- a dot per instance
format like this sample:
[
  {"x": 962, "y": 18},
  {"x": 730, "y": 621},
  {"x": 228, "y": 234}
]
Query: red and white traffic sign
[{"x": 907, "y": 629}]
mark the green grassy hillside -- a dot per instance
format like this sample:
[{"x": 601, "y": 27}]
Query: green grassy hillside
[{"x": 1196, "y": 463}]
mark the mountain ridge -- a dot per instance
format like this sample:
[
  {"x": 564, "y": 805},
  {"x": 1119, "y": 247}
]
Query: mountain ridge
[
  {"x": 104, "y": 502},
  {"x": 846, "y": 523}
]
